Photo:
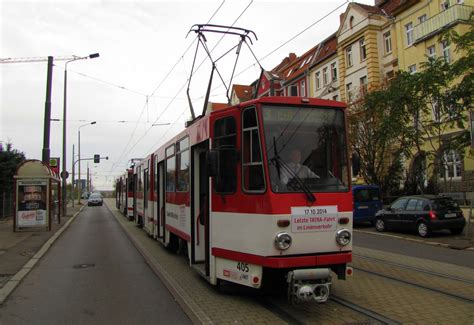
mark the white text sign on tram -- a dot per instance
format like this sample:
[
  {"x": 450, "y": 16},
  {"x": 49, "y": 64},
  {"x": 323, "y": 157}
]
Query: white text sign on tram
[{"x": 316, "y": 218}]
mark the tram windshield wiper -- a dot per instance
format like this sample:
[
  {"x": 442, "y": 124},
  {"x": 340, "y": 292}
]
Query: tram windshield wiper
[{"x": 276, "y": 157}]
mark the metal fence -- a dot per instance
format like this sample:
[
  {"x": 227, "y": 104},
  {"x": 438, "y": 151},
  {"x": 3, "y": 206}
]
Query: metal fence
[{"x": 6, "y": 204}]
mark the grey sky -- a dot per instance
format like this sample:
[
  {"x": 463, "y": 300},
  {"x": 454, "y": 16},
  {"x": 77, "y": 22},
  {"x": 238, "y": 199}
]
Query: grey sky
[{"x": 139, "y": 43}]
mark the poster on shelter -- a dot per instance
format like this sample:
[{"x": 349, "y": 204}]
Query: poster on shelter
[{"x": 32, "y": 204}]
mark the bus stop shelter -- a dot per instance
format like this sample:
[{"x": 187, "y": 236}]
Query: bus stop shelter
[{"x": 37, "y": 195}]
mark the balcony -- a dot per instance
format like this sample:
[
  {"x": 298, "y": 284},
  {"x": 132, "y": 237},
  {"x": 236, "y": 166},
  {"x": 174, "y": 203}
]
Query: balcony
[{"x": 444, "y": 19}]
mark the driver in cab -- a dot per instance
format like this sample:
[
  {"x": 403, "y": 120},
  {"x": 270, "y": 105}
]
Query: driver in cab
[{"x": 295, "y": 168}]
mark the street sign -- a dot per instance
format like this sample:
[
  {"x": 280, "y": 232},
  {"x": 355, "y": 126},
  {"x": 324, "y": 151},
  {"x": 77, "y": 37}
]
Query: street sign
[
  {"x": 54, "y": 165},
  {"x": 64, "y": 173}
]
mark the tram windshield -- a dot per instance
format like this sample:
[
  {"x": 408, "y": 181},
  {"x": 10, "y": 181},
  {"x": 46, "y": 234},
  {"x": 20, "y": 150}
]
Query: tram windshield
[{"x": 306, "y": 149}]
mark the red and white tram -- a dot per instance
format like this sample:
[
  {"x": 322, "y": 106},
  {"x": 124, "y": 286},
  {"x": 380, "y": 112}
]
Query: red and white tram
[
  {"x": 124, "y": 191},
  {"x": 255, "y": 190}
]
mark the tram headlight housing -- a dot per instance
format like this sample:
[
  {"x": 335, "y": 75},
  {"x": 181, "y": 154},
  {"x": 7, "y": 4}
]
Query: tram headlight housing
[
  {"x": 283, "y": 241},
  {"x": 343, "y": 237}
]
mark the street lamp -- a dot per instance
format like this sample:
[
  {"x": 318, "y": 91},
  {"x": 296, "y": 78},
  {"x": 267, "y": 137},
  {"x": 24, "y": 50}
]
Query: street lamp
[
  {"x": 79, "y": 160},
  {"x": 63, "y": 174}
]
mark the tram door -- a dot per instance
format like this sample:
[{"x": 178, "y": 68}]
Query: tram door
[
  {"x": 135, "y": 186},
  {"x": 200, "y": 209}
]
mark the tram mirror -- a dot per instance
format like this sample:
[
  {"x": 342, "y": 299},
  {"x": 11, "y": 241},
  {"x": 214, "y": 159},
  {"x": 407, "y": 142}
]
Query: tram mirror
[{"x": 212, "y": 157}]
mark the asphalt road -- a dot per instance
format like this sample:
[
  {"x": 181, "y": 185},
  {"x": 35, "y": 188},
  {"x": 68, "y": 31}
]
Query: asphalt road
[
  {"x": 414, "y": 249},
  {"x": 92, "y": 275}
]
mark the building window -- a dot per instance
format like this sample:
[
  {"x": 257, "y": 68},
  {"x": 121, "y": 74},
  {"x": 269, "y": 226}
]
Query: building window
[
  {"x": 436, "y": 111},
  {"x": 349, "y": 92},
  {"x": 363, "y": 84},
  {"x": 293, "y": 90},
  {"x": 325, "y": 76},
  {"x": 412, "y": 68},
  {"x": 318, "y": 80},
  {"x": 390, "y": 75},
  {"x": 431, "y": 52},
  {"x": 349, "y": 56},
  {"x": 335, "y": 97},
  {"x": 445, "y": 50},
  {"x": 409, "y": 33},
  {"x": 444, "y": 5},
  {"x": 303, "y": 88},
  {"x": 363, "y": 51},
  {"x": 416, "y": 121},
  {"x": 422, "y": 18},
  {"x": 450, "y": 166},
  {"x": 387, "y": 41},
  {"x": 334, "y": 71}
]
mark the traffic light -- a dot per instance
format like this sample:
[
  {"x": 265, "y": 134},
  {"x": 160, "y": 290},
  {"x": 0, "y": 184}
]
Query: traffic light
[{"x": 96, "y": 159}]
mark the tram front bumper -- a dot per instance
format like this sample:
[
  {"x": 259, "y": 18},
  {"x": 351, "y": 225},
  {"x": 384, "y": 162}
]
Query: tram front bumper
[{"x": 309, "y": 285}]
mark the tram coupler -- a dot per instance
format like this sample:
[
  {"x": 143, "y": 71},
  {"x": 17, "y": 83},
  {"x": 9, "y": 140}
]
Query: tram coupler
[{"x": 308, "y": 285}]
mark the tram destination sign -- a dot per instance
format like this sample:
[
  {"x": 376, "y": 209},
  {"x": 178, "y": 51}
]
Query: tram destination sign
[{"x": 315, "y": 218}]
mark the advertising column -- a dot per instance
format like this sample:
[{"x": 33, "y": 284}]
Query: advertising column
[{"x": 32, "y": 203}]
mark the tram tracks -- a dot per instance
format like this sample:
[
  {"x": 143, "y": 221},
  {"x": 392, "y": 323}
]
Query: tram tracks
[
  {"x": 292, "y": 314},
  {"x": 365, "y": 311},
  {"x": 445, "y": 284},
  {"x": 423, "y": 282},
  {"x": 420, "y": 270}
]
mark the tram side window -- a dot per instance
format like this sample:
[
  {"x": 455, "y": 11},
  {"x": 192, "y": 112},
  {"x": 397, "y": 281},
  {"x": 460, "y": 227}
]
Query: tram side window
[
  {"x": 253, "y": 180},
  {"x": 224, "y": 141},
  {"x": 156, "y": 178},
  {"x": 170, "y": 170},
  {"x": 140, "y": 181},
  {"x": 182, "y": 164},
  {"x": 146, "y": 187}
]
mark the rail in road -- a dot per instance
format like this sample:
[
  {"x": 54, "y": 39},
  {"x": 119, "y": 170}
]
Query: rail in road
[
  {"x": 455, "y": 287},
  {"x": 364, "y": 298}
]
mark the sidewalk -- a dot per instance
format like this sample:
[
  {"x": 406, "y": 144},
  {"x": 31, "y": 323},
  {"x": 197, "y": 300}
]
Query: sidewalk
[{"x": 19, "y": 251}]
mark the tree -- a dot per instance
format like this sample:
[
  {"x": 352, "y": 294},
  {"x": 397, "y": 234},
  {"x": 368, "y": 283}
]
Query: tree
[
  {"x": 9, "y": 160},
  {"x": 379, "y": 134},
  {"x": 421, "y": 116},
  {"x": 443, "y": 93}
]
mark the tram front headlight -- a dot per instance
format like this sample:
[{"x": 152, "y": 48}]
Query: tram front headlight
[
  {"x": 283, "y": 241},
  {"x": 343, "y": 237}
]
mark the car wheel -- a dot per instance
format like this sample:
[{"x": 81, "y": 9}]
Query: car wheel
[
  {"x": 456, "y": 231},
  {"x": 380, "y": 225},
  {"x": 423, "y": 229}
]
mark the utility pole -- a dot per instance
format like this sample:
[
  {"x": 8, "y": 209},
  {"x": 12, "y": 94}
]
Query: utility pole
[
  {"x": 47, "y": 112},
  {"x": 72, "y": 182},
  {"x": 88, "y": 184}
]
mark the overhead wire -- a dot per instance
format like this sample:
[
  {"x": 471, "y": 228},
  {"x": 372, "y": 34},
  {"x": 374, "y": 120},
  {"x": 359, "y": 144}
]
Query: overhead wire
[
  {"x": 242, "y": 71},
  {"x": 290, "y": 39},
  {"x": 162, "y": 81},
  {"x": 184, "y": 84}
]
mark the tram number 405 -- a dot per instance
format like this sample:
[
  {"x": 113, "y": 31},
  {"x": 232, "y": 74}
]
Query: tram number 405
[{"x": 244, "y": 267}]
